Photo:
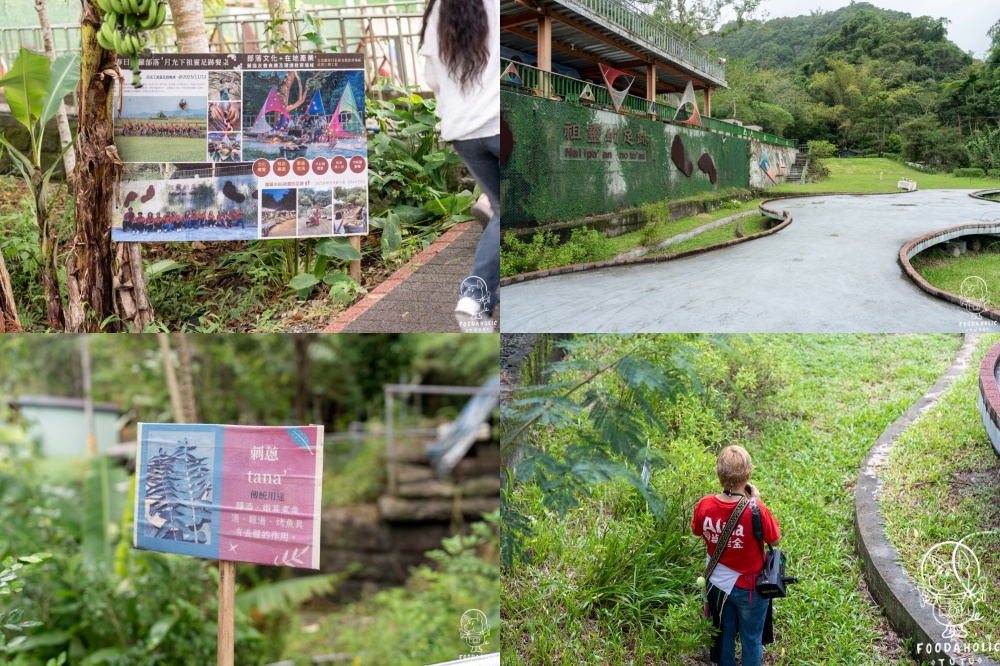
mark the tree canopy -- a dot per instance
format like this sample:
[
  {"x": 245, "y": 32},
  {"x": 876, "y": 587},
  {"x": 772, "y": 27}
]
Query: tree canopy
[{"x": 866, "y": 78}]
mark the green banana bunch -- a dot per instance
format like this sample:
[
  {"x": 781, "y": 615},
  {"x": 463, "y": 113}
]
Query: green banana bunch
[{"x": 124, "y": 27}]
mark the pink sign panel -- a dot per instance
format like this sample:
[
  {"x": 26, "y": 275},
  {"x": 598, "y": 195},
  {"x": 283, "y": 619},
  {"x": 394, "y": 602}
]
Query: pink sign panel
[{"x": 240, "y": 493}]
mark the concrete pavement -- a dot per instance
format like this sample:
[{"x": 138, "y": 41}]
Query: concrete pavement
[{"x": 834, "y": 269}]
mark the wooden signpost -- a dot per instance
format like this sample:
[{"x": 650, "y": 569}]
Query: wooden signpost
[{"x": 233, "y": 494}]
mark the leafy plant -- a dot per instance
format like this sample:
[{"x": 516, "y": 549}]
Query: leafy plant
[
  {"x": 10, "y": 583},
  {"x": 34, "y": 90},
  {"x": 410, "y": 170},
  {"x": 620, "y": 420},
  {"x": 180, "y": 485}
]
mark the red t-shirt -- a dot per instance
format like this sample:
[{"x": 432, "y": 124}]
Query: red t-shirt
[{"x": 743, "y": 552}]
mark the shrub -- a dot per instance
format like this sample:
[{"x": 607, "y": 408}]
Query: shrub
[
  {"x": 971, "y": 172},
  {"x": 993, "y": 173},
  {"x": 545, "y": 251},
  {"x": 821, "y": 149}
]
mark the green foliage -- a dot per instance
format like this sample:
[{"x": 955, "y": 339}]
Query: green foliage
[
  {"x": 11, "y": 621},
  {"x": 821, "y": 149},
  {"x": 409, "y": 173},
  {"x": 286, "y": 595},
  {"x": 546, "y": 251},
  {"x": 974, "y": 172},
  {"x": 984, "y": 149},
  {"x": 813, "y": 404},
  {"x": 925, "y": 141},
  {"x": 936, "y": 464}
]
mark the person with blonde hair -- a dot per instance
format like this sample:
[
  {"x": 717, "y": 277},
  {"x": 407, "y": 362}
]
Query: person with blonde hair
[{"x": 732, "y": 572}]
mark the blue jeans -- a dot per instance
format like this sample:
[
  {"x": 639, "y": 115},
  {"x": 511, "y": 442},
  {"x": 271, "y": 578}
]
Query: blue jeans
[
  {"x": 482, "y": 156},
  {"x": 747, "y": 617}
]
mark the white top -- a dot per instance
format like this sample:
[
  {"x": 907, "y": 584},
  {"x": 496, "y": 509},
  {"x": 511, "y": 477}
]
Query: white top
[{"x": 465, "y": 114}]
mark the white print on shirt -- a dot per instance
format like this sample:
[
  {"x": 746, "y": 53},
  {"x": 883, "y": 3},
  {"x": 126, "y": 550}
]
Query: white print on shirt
[{"x": 716, "y": 531}]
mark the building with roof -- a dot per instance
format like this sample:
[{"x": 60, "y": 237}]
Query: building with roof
[
  {"x": 58, "y": 424},
  {"x": 606, "y": 108}
]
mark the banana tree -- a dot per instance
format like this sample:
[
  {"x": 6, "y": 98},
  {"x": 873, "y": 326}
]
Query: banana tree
[{"x": 35, "y": 88}]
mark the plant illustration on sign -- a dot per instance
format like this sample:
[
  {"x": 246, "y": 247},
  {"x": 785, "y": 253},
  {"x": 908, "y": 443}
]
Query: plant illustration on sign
[{"x": 179, "y": 485}]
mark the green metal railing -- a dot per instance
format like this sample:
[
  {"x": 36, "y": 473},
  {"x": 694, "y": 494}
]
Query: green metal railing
[
  {"x": 640, "y": 24},
  {"x": 567, "y": 89}
]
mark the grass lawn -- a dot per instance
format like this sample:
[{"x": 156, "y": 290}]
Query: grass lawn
[
  {"x": 140, "y": 149},
  {"x": 948, "y": 273},
  {"x": 751, "y": 225},
  {"x": 945, "y": 472},
  {"x": 862, "y": 175},
  {"x": 662, "y": 228},
  {"x": 606, "y": 585}
]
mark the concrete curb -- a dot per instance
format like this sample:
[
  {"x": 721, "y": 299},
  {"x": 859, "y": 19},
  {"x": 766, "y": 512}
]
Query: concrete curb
[
  {"x": 988, "y": 396},
  {"x": 784, "y": 217},
  {"x": 888, "y": 583},
  {"x": 397, "y": 278},
  {"x": 918, "y": 245},
  {"x": 611, "y": 263},
  {"x": 978, "y": 194}
]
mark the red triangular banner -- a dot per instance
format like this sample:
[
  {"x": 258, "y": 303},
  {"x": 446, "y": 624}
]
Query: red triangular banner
[
  {"x": 688, "y": 98},
  {"x": 610, "y": 76}
]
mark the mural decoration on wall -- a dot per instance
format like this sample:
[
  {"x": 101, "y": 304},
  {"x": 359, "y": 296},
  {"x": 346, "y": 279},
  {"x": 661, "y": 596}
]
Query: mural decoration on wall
[
  {"x": 510, "y": 75},
  {"x": 677, "y": 154},
  {"x": 706, "y": 164},
  {"x": 610, "y": 76},
  {"x": 782, "y": 165},
  {"x": 587, "y": 95},
  {"x": 765, "y": 165},
  {"x": 686, "y": 116}
]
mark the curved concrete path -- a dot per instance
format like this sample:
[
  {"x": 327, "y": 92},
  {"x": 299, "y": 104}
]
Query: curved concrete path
[{"x": 834, "y": 269}]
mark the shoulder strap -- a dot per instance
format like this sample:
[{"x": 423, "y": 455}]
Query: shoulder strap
[{"x": 724, "y": 537}]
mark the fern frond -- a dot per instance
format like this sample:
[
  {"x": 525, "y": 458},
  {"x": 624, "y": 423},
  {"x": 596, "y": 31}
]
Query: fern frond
[{"x": 286, "y": 594}]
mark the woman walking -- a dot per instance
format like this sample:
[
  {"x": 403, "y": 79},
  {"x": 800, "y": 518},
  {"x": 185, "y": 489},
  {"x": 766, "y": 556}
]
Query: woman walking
[
  {"x": 725, "y": 520},
  {"x": 461, "y": 41}
]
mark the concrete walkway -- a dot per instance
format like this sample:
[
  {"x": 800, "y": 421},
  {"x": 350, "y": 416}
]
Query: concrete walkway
[
  {"x": 420, "y": 297},
  {"x": 834, "y": 269}
]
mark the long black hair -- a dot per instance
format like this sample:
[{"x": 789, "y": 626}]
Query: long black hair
[{"x": 463, "y": 37}]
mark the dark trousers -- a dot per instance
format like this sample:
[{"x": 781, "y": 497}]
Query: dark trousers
[{"x": 482, "y": 156}]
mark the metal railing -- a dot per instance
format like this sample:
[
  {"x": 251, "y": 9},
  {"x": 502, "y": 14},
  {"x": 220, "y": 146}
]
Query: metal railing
[
  {"x": 388, "y": 34},
  {"x": 640, "y": 24},
  {"x": 567, "y": 89}
]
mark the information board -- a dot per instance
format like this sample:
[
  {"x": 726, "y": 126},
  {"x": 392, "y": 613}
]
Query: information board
[
  {"x": 243, "y": 146},
  {"x": 225, "y": 492}
]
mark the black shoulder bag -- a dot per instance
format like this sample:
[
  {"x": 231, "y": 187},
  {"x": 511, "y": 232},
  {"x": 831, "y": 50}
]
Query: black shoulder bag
[{"x": 772, "y": 579}]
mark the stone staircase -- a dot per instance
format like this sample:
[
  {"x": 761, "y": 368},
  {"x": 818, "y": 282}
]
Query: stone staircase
[{"x": 797, "y": 174}]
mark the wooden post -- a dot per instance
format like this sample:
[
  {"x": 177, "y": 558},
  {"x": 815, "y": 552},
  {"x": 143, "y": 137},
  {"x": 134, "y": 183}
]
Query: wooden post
[
  {"x": 227, "y": 606},
  {"x": 651, "y": 82},
  {"x": 544, "y": 49},
  {"x": 354, "y": 270},
  {"x": 708, "y": 103}
]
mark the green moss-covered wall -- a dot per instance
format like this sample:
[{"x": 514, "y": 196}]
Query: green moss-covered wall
[{"x": 541, "y": 182}]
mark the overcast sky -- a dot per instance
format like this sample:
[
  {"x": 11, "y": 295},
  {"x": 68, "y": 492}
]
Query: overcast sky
[{"x": 970, "y": 19}]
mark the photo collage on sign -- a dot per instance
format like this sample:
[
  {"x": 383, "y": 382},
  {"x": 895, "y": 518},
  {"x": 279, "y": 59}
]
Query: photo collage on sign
[{"x": 245, "y": 146}]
